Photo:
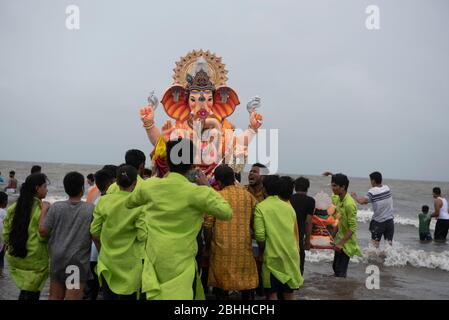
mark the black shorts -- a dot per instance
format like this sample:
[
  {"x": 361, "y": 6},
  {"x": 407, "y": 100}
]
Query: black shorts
[
  {"x": 277, "y": 286},
  {"x": 441, "y": 229},
  {"x": 379, "y": 229}
]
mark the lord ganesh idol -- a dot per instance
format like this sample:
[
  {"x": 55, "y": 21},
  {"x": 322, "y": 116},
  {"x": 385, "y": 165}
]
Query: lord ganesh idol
[{"x": 200, "y": 102}]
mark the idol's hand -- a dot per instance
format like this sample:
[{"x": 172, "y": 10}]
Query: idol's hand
[
  {"x": 255, "y": 120},
  {"x": 147, "y": 114},
  {"x": 167, "y": 129}
]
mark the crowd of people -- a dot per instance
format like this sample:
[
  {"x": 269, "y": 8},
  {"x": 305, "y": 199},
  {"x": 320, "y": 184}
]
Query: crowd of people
[{"x": 142, "y": 237}]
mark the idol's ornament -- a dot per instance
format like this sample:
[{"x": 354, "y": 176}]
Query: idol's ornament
[{"x": 200, "y": 102}]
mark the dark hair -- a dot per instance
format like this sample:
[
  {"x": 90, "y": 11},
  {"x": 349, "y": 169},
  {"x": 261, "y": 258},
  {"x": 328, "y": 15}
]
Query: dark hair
[
  {"x": 147, "y": 172},
  {"x": 126, "y": 176},
  {"x": 18, "y": 237},
  {"x": 225, "y": 175},
  {"x": 73, "y": 183},
  {"x": 425, "y": 209},
  {"x": 285, "y": 187},
  {"x": 112, "y": 169},
  {"x": 340, "y": 180},
  {"x": 135, "y": 158},
  {"x": 12, "y": 172},
  {"x": 436, "y": 190},
  {"x": 103, "y": 178},
  {"x": 36, "y": 169},
  {"x": 302, "y": 184},
  {"x": 3, "y": 199},
  {"x": 238, "y": 176},
  {"x": 376, "y": 176},
  {"x": 180, "y": 162},
  {"x": 271, "y": 184},
  {"x": 259, "y": 165},
  {"x": 90, "y": 177}
]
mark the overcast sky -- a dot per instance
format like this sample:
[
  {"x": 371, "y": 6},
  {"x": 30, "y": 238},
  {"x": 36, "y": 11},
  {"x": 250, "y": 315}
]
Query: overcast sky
[{"x": 343, "y": 97}]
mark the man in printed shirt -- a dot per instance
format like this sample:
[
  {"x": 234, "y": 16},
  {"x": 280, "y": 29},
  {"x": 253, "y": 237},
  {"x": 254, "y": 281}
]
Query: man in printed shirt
[{"x": 232, "y": 264}]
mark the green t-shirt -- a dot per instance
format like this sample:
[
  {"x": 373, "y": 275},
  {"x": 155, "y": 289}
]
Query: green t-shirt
[
  {"x": 347, "y": 209},
  {"x": 31, "y": 272},
  {"x": 174, "y": 210},
  {"x": 275, "y": 223},
  {"x": 424, "y": 222},
  {"x": 122, "y": 233}
]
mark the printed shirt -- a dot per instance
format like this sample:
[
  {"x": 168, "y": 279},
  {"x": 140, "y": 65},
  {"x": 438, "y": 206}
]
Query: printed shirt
[
  {"x": 259, "y": 195},
  {"x": 232, "y": 263}
]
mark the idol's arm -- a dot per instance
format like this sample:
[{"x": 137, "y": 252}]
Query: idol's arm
[
  {"x": 147, "y": 117},
  {"x": 255, "y": 121}
]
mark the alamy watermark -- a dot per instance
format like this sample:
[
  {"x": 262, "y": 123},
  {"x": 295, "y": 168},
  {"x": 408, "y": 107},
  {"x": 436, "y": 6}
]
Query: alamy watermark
[
  {"x": 72, "y": 281},
  {"x": 211, "y": 146},
  {"x": 372, "y": 21},
  {"x": 372, "y": 282},
  {"x": 72, "y": 20}
]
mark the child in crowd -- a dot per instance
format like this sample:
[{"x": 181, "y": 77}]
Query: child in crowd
[
  {"x": 26, "y": 252},
  {"x": 3, "y": 204},
  {"x": 424, "y": 224},
  {"x": 276, "y": 232},
  {"x": 120, "y": 234},
  {"x": 67, "y": 225}
]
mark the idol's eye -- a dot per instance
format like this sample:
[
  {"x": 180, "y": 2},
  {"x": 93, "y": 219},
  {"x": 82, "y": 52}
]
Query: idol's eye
[
  {"x": 192, "y": 99},
  {"x": 209, "y": 99}
]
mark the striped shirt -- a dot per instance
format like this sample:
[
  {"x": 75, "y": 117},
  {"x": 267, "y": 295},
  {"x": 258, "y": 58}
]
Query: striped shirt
[{"x": 382, "y": 201}]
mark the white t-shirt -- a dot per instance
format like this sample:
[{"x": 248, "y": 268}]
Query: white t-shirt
[
  {"x": 382, "y": 201},
  {"x": 443, "y": 214}
]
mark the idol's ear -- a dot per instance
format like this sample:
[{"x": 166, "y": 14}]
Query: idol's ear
[
  {"x": 175, "y": 103},
  {"x": 225, "y": 101}
]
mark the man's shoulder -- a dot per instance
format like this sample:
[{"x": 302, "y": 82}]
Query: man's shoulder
[
  {"x": 87, "y": 206},
  {"x": 350, "y": 202},
  {"x": 377, "y": 190}
]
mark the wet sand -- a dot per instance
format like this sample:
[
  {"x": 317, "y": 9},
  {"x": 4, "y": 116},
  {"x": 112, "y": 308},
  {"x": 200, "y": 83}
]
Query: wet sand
[{"x": 319, "y": 284}]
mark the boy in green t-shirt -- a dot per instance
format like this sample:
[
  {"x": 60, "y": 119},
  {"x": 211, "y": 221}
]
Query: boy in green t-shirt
[
  {"x": 424, "y": 224},
  {"x": 345, "y": 242}
]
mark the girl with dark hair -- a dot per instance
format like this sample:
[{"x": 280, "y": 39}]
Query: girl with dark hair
[{"x": 27, "y": 253}]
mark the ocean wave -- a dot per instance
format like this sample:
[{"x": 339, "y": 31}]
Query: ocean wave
[
  {"x": 396, "y": 255},
  {"x": 364, "y": 216}
]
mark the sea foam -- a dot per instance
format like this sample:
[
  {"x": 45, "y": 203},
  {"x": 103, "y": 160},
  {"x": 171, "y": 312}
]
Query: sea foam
[{"x": 396, "y": 255}]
